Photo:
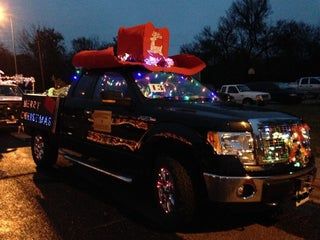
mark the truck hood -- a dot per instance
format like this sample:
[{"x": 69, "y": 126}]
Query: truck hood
[{"x": 216, "y": 115}]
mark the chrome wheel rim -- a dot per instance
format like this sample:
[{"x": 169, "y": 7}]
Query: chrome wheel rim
[
  {"x": 166, "y": 191},
  {"x": 38, "y": 147}
]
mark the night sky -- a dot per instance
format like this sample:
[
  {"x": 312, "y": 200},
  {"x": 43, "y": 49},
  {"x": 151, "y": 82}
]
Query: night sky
[{"x": 102, "y": 18}]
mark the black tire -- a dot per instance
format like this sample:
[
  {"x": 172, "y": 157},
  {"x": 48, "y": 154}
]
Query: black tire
[
  {"x": 182, "y": 210},
  {"x": 44, "y": 150},
  {"x": 247, "y": 101}
]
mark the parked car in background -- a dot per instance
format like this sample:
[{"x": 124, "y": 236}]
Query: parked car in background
[
  {"x": 308, "y": 86},
  {"x": 10, "y": 104},
  {"x": 279, "y": 92},
  {"x": 223, "y": 97},
  {"x": 243, "y": 94}
]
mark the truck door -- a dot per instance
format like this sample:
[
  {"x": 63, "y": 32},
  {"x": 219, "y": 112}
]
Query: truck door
[
  {"x": 114, "y": 126},
  {"x": 234, "y": 92},
  {"x": 304, "y": 85},
  {"x": 74, "y": 120},
  {"x": 223, "y": 89},
  {"x": 315, "y": 85}
]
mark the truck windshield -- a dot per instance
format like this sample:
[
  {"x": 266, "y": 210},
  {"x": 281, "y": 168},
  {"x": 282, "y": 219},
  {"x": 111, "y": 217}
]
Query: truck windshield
[
  {"x": 7, "y": 90},
  {"x": 243, "y": 88},
  {"x": 163, "y": 85}
]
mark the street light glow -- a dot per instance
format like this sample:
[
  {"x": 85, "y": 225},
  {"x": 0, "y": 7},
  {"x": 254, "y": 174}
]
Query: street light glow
[{"x": 2, "y": 14}]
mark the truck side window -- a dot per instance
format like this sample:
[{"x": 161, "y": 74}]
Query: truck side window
[
  {"x": 304, "y": 81},
  {"x": 223, "y": 89},
  {"x": 83, "y": 87},
  {"x": 314, "y": 81},
  {"x": 232, "y": 90},
  {"x": 111, "y": 81}
]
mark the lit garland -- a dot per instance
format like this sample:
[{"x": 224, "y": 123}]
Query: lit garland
[
  {"x": 158, "y": 60},
  {"x": 18, "y": 79},
  {"x": 153, "y": 59},
  {"x": 126, "y": 58},
  {"x": 299, "y": 143},
  {"x": 77, "y": 74}
]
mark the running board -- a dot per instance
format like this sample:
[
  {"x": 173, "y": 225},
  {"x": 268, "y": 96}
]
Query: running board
[{"x": 122, "y": 178}]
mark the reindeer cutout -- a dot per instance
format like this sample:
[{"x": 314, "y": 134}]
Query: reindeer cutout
[{"x": 153, "y": 48}]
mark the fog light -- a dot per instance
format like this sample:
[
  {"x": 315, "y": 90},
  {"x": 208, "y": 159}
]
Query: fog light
[{"x": 246, "y": 191}]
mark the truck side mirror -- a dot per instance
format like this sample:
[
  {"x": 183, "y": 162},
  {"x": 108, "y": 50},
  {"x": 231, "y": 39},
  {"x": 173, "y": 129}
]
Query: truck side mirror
[{"x": 115, "y": 98}]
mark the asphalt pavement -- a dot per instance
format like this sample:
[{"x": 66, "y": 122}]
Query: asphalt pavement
[{"x": 71, "y": 203}]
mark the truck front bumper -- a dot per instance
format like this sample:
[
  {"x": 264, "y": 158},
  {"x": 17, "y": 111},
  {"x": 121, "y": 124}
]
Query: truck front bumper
[{"x": 266, "y": 189}]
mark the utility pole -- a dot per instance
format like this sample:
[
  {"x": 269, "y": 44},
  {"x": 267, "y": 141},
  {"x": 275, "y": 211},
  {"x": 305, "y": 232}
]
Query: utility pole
[
  {"x": 40, "y": 62},
  {"x": 13, "y": 46}
]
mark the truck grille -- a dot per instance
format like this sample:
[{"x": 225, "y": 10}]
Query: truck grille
[{"x": 283, "y": 143}]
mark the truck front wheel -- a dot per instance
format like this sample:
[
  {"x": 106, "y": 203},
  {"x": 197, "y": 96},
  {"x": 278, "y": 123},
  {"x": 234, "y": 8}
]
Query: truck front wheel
[
  {"x": 247, "y": 101},
  {"x": 174, "y": 192},
  {"x": 44, "y": 150}
]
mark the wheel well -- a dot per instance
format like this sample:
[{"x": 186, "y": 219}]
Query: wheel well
[
  {"x": 247, "y": 99},
  {"x": 183, "y": 153}
]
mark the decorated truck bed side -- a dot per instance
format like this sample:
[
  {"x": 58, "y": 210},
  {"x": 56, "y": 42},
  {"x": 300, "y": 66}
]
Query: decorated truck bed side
[
  {"x": 40, "y": 111},
  {"x": 140, "y": 115}
]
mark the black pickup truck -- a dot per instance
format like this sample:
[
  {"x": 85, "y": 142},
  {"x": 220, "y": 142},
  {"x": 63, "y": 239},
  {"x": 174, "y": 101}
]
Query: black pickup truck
[{"x": 130, "y": 123}]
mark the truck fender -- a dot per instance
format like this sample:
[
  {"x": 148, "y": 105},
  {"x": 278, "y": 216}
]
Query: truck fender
[{"x": 174, "y": 139}]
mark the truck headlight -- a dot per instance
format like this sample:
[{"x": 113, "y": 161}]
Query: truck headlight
[{"x": 233, "y": 143}]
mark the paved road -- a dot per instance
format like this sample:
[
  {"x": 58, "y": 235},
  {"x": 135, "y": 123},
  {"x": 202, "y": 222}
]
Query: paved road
[{"x": 63, "y": 204}]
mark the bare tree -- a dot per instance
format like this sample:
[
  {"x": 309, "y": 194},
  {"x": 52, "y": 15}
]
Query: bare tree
[
  {"x": 6, "y": 63},
  {"x": 245, "y": 26},
  {"x": 84, "y": 43},
  {"x": 46, "y": 46}
]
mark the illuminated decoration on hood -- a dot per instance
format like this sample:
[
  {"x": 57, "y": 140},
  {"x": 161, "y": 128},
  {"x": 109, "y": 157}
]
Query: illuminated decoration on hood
[
  {"x": 286, "y": 143},
  {"x": 300, "y": 144}
]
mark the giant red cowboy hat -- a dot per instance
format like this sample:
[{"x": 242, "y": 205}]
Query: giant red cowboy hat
[{"x": 142, "y": 45}]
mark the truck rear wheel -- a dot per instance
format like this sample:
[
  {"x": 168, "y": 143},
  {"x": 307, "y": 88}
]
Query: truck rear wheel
[
  {"x": 44, "y": 150},
  {"x": 174, "y": 193}
]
